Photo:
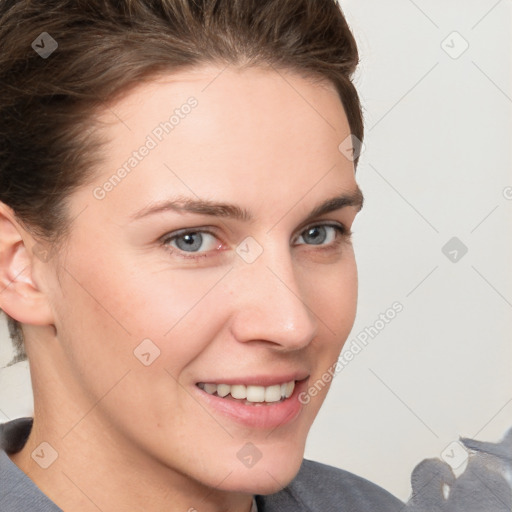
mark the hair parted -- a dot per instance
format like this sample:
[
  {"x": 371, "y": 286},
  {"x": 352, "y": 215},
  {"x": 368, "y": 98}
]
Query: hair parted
[{"x": 48, "y": 146}]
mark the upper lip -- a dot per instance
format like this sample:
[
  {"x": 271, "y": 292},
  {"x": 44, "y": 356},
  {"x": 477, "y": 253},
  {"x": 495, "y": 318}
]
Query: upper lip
[{"x": 259, "y": 380}]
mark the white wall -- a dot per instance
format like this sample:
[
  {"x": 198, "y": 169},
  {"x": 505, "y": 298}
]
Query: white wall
[
  {"x": 437, "y": 162},
  {"x": 438, "y": 158}
]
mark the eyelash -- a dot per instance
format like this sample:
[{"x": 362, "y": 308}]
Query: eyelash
[{"x": 344, "y": 236}]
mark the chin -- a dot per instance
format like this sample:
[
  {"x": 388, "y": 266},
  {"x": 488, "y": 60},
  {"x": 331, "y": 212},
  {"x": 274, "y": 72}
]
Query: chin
[
  {"x": 262, "y": 482},
  {"x": 268, "y": 475}
]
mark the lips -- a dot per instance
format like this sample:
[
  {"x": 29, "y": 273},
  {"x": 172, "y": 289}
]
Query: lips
[{"x": 261, "y": 415}]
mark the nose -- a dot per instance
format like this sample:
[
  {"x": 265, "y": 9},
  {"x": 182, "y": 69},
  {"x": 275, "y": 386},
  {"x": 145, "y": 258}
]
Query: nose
[{"x": 270, "y": 305}]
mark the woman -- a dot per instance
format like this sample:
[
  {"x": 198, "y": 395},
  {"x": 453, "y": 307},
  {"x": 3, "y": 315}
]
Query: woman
[{"x": 177, "y": 187}]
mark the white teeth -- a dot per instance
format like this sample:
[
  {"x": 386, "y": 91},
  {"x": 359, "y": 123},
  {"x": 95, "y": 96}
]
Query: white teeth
[
  {"x": 239, "y": 391},
  {"x": 210, "y": 388},
  {"x": 290, "y": 386},
  {"x": 222, "y": 390},
  {"x": 273, "y": 393},
  {"x": 253, "y": 394}
]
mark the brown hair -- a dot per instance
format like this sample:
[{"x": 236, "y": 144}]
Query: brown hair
[{"x": 105, "y": 47}]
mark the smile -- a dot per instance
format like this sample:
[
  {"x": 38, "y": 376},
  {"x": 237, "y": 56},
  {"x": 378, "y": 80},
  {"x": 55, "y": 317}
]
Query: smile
[
  {"x": 253, "y": 404},
  {"x": 250, "y": 395}
]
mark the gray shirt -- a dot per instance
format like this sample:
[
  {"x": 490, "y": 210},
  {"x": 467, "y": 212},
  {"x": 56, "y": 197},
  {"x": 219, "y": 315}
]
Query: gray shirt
[{"x": 317, "y": 487}]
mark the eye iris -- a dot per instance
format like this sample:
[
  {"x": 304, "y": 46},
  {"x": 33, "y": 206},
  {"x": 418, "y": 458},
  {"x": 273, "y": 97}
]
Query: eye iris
[
  {"x": 313, "y": 235},
  {"x": 190, "y": 244}
]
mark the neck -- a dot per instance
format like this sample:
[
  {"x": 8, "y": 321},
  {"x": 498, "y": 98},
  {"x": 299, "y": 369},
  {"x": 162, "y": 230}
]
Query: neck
[{"x": 94, "y": 471}]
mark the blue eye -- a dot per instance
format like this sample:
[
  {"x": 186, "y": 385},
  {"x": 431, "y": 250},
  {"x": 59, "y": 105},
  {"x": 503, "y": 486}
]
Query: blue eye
[
  {"x": 194, "y": 244},
  {"x": 192, "y": 241},
  {"x": 317, "y": 235}
]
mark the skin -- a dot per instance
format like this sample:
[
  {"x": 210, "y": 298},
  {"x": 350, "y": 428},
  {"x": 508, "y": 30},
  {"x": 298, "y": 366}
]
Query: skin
[{"x": 135, "y": 437}]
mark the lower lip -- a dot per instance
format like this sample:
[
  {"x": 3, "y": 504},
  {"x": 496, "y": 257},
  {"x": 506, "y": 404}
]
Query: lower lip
[{"x": 265, "y": 416}]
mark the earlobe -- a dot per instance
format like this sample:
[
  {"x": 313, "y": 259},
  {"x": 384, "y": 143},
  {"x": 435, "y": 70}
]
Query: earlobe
[{"x": 20, "y": 296}]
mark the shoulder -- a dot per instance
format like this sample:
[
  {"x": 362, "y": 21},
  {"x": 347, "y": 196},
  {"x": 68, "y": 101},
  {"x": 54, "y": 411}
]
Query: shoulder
[
  {"x": 14, "y": 434},
  {"x": 17, "y": 490},
  {"x": 321, "y": 487}
]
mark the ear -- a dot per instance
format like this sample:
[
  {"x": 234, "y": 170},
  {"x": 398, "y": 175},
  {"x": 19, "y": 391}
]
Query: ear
[{"x": 20, "y": 296}]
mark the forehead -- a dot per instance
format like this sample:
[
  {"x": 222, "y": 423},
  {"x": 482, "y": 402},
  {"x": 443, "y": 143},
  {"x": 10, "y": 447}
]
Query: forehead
[
  {"x": 215, "y": 129},
  {"x": 230, "y": 102}
]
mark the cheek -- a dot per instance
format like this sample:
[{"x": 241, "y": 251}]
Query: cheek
[
  {"x": 347, "y": 300},
  {"x": 109, "y": 310},
  {"x": 332, "y": 296},
  {"x": 130, "y": 334},
  {"x": 335, "y": 303},
  {"x": 179, "y": 310}
]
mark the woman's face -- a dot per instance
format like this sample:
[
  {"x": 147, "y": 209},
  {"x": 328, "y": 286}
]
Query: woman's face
[{"x": 163, "y": 299}]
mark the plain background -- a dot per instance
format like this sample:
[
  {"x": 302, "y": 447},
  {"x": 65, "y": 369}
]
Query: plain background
[{"x": 436, "y": 166}]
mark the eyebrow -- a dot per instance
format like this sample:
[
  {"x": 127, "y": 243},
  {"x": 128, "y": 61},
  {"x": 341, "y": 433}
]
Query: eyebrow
[{"x": 182, "y": 204}]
